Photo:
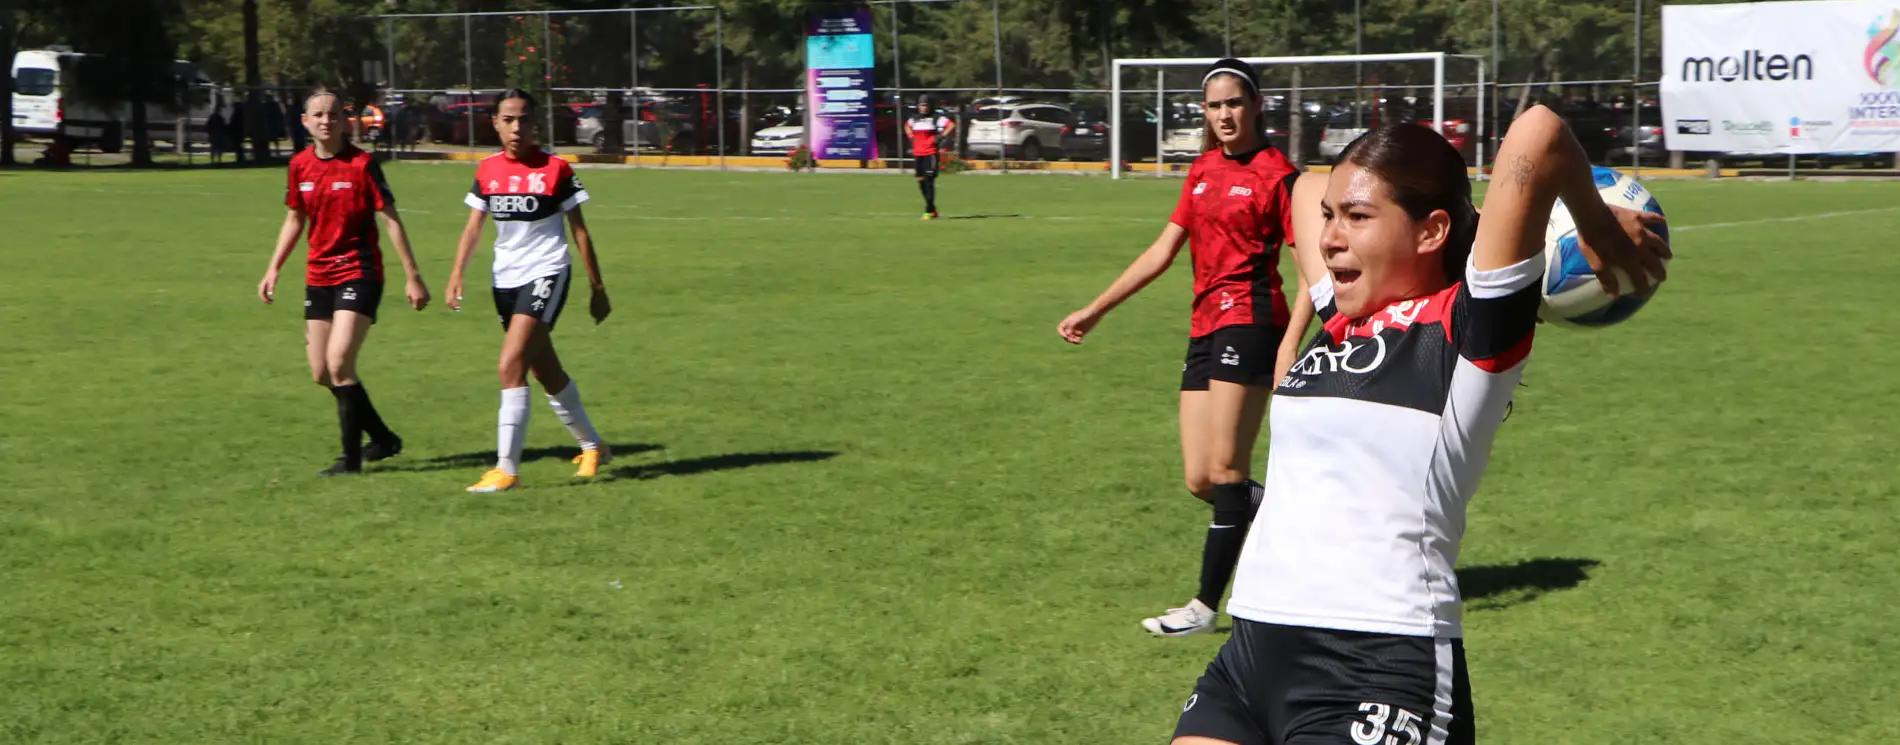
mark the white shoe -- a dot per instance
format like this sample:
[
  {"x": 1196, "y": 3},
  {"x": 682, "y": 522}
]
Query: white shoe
[{"x": 1196, "y": 618}]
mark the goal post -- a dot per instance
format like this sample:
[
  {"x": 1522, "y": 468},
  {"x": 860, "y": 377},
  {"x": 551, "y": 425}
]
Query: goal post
[{"x": 1118, "y": 91}]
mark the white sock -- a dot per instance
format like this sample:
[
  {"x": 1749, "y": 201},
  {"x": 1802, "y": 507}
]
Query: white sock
[
  {"x": 567, "y": 406},
  {"x": 511, "y": 429}
]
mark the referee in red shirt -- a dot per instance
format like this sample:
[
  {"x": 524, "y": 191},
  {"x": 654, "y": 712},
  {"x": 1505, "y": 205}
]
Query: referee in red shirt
[
  {"x": 1235, "y": 214},
  {"x": 337, "y": 190}
]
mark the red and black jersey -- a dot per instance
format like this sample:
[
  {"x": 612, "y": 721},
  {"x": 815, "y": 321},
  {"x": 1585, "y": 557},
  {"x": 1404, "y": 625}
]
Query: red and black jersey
[
  {"x": 340, "y": 195},
  {"x": 1237, "y": 211},
  {"x": 924, "y": 131}
]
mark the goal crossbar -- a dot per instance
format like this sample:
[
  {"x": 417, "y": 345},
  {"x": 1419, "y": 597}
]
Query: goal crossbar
[{"x": 1438, "y": 87}]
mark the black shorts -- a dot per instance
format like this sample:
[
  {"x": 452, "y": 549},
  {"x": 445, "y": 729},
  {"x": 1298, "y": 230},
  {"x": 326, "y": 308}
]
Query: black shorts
[
  {"x": 543, "y": 298},
  {"x": 1292, "y": 685},
  {"x": 927, "y": 165},
  {"x": 358, "y": 295},
  {"x": 1235, "y": 354}
]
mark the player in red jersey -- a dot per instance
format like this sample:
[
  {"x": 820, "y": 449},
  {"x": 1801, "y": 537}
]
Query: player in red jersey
[
  {"x": 338, "y": 191},
  {"x": 924, "y": 130},
  {"x": 1233, "y": 213},
  {"x": 528, "y": 191}
]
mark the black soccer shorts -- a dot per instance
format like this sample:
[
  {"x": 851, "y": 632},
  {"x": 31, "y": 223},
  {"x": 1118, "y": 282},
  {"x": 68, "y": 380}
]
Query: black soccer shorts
[
  {"x": 358, "y": 295},
  {"x": 1294, "y": 685},
  {"x": 1235, "y": 354},
  {"x": 542, "y": 298},
  {"x": 926, "y": 165}
]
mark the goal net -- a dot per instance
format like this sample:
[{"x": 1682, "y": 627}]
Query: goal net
[{"x": 1313, "y": 106}]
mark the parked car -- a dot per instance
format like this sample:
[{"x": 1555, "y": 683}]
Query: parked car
[
  {"x": 641, "y": 130},
  {"x": 1186, "y": 128},
  {"x": 1026, "y": 131},
  {"x": 1646, "y": 131},
  {"x": 992, "y": 101},
  {"x": 1087, "y": 138},
  {"x": 778, "y": 140}
]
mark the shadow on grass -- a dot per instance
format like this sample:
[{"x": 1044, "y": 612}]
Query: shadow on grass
[
  {"x": 486, "y": 458},
  {"x": 1498, "y": 586},
  {"x": 727, "y": 462}
]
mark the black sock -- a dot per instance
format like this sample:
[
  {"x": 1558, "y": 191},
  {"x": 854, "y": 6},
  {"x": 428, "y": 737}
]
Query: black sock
[
  {"x": 366, "y": 413},
  {"x": 350, "y": 424},
  {"x": 930, "y": 194},
  {"x": 1233, "y": 513}
]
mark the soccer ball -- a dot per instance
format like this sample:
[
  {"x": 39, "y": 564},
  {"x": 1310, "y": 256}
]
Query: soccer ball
[{"x": 1572, "y": 294}]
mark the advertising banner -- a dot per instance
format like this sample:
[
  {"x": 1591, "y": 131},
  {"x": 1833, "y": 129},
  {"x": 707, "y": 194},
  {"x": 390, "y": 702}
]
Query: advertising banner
[
  {"x": 840, "y": 100},
  {"x": 1782, "y": 77}
]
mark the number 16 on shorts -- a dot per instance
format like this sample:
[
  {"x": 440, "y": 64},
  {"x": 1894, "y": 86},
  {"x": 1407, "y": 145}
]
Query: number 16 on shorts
[{"x": 1385, "y": 724}]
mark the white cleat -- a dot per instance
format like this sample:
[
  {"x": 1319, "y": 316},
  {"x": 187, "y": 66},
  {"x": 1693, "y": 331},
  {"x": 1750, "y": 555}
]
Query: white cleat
[{"x": 1196, "y": 618}]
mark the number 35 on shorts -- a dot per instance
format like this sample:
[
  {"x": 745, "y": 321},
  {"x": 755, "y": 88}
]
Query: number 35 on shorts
[{"x": 1385, "y": 724}]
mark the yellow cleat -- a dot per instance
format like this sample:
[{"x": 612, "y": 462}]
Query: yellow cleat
[
  {"x": 495, "y": 480},
  {"x": 928, "y": 216},
  {"x": 590, "y": 461}
]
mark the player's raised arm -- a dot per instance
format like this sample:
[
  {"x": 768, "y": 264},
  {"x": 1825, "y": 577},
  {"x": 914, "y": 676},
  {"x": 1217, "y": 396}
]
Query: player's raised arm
[
  {"x": 1540, "y": 161},
  {"x": 1308, "y": 221},
  {"x": 599, "y": 306},
  {"x": 286, "y": 240}
]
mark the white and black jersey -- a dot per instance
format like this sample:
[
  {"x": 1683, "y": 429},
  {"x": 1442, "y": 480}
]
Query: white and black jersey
[
  {"x": 1380, "y": 435},
  {"x": 528, "y": 199}
]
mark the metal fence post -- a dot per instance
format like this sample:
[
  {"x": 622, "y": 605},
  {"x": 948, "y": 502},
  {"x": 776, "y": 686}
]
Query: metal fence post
[
  {"x": 1161, "y": 119},
  {"x": 547, "y": 72},
  {"x": 633, "y": 86},
  {"x": 1636, "y": 95},
  {"x": 468, "y": 75},
  {"x": 719, "y": 86},
  {"x": 996, "y": 38},
  {"x": 897, "y": 82}
]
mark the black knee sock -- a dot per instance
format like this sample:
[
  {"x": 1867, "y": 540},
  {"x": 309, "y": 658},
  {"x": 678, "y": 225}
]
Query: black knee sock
[
  {"x": 366, "y": 414},
  {"x": 930, "y": 194},
  {"x": 1233, "y": 513},
  {"x": 350, "y": 424}
]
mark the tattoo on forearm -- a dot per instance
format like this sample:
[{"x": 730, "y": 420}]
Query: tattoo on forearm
[{"x": 1521, "y": 169}]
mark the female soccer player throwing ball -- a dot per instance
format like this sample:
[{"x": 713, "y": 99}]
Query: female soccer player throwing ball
[
  {"x": 528, "y": 190},
  {"x": 1233, "y": 213},
  {"x": 337, "y": 191},
  {"x": 1347, "y": 613}
]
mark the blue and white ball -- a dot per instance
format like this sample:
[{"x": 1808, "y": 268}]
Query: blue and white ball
[{"x": 1572, "y": 294}]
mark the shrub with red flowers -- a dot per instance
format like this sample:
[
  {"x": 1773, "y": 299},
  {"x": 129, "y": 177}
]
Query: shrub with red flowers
[{"x": 800, "y": 159}]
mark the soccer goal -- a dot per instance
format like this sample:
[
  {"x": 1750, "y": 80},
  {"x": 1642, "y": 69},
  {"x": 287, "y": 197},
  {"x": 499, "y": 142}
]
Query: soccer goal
[{"x": 1314, "y": 106}]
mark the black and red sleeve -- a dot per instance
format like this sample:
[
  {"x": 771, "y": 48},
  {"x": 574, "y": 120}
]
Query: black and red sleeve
[
  {"x": 1494, "y": 315},
  {"x": 380, "y": 193},
  {"x": 568, "y": 189}
]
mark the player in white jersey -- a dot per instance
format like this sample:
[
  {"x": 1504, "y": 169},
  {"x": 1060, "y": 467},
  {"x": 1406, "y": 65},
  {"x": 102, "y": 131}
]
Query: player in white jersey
[
  {"x": 533, "y": 196},
  {"x": 1347, "y": 611}
]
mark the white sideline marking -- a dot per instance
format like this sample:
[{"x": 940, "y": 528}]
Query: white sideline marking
[{"x": 1767, "y": 220}]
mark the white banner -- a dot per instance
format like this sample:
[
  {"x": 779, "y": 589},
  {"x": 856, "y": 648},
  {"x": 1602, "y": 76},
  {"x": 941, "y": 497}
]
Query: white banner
[{"x": 1782, "y": 77}]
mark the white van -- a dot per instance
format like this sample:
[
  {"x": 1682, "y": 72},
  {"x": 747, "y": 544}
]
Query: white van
[
  {"x": 43, "y": 104},
  {"x": 36, "y": 94}
]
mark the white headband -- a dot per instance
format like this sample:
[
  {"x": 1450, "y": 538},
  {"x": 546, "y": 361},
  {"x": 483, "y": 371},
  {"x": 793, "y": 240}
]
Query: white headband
[{"x": 1244, "y": 77}]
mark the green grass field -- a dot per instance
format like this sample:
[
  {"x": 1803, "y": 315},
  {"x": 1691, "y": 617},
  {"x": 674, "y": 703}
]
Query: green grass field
[{"x": 866, "y": 494}]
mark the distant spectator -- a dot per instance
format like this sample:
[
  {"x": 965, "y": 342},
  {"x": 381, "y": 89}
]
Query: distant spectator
[
  {"x": 217, "y": 132},
  {"x": 239, "y": 135},
  {"x": 273, "y": 122},
  {"x": 57, "y": 155}
]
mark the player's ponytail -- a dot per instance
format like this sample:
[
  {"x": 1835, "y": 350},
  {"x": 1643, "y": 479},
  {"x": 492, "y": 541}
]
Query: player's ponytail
[
  {"x": 1243, "y": 73},
  {"x": 1426, "y": 175}
]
